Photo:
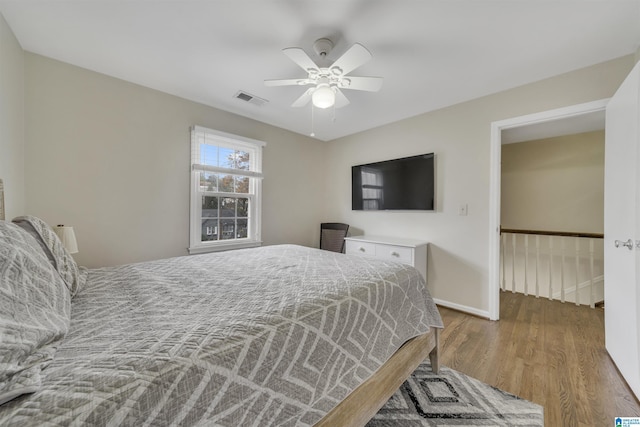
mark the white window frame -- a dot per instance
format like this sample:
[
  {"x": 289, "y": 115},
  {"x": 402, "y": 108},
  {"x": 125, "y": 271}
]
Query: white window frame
[{"x": 227, "y": 140}]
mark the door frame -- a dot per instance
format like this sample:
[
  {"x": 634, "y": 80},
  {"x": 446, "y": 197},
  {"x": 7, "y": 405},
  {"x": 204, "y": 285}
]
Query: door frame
[{"x": 495, "y": 170}]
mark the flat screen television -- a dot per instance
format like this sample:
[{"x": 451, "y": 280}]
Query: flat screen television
[{"x": 399, "y": 184}]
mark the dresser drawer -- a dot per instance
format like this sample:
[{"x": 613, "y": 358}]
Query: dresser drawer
[
  {"x": 395, "y": 253},
  {"x": 406, "y": 251},
  {"x": 360, "y": 248}
]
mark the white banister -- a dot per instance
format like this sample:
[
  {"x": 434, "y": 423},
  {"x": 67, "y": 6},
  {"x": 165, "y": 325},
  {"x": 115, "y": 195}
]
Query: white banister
[{"x": 581, "y": 283}]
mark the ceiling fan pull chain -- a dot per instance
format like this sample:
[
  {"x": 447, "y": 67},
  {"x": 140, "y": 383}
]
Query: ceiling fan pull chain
[{"x": 312, "y": 122}]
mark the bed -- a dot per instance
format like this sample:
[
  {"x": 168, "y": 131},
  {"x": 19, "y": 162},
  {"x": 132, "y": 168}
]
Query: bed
[{"x": 278, "y": 335}]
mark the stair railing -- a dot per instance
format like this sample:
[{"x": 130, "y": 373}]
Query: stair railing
[{"x": 567, "y": 266}]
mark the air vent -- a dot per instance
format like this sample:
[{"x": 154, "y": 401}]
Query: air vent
[{"x": 251, "y": 99}]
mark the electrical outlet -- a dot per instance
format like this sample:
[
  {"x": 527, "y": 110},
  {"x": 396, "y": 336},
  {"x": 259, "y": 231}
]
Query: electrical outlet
[{"x": 463, "y": 209}]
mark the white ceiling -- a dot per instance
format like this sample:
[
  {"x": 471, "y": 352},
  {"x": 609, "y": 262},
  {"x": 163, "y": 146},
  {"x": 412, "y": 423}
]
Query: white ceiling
[{"x": 431, "y": 53}]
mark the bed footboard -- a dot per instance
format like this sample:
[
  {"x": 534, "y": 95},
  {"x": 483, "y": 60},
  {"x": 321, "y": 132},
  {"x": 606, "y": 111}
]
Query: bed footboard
[{"x": 365, "y": 401}]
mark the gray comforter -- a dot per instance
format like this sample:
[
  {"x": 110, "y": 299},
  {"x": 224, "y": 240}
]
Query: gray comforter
[{"x": 270, "y": 336}]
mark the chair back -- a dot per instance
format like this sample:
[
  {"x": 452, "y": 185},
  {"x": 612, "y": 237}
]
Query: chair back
[{"x": 332, "y": 236}]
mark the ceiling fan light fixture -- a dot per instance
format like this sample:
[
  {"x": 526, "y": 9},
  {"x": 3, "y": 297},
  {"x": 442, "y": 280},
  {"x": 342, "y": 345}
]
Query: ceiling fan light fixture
[
  {"x": 323, "y": 96},
  {"x": 327, "y": 82}
]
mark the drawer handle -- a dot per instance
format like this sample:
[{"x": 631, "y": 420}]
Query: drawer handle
[
  {"x": 361, "y": 249},
  {"x": 394, "y": 253}
]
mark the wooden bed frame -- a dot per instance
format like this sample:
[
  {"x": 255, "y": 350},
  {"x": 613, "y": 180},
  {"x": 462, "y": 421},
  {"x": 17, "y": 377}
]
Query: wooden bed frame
[{"x": 365, "y": 401}]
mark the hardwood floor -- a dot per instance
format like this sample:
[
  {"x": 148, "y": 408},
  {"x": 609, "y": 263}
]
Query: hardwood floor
[{"x": 544, "y": 351}]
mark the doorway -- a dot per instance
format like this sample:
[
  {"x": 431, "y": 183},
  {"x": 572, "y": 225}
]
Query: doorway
[{"x": 550, "y": 121}]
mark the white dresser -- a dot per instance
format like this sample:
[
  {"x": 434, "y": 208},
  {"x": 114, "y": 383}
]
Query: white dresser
[{"x": 408, "y": 251}]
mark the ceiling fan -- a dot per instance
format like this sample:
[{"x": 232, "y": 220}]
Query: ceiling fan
[{"x": 328, "y": 82}]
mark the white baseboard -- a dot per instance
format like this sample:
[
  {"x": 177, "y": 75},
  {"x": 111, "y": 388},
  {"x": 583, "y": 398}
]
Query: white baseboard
[
  {"x": 581, "y": 286},
  {"x": 463, "y": 308}
]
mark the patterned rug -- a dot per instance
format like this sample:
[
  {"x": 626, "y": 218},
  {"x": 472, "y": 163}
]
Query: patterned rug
[{"x": 454, "y": 399}]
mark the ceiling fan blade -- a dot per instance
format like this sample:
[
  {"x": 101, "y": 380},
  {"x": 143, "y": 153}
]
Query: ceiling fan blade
[
  {"x": 370, "y": 84},
  {"x": 301, "y": 58},
  {"x": 304, "y": 98},
  {"x": 341, "y": 100},
  {"x": 356, "y": 56},
  {"x": 286, "y": 82}
]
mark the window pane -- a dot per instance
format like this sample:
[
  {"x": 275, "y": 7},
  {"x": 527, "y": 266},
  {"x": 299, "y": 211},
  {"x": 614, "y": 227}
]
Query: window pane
[
  {"x": 209, "y": 229},
  {"x": 228, "y": 227},
  {"x": 226, "y": 183},
  {"x": 227, "y": 157},
  {"x": 208, "y": 154},
  {"x": 227, "y": 207},
  {"x": 209, "y": 207},
  {"x": 241, "y": 160},
  {"x": 243, "y": 228},
  {"x": 242, "y": 184},
  {"x": 243, "y": 207},
  {"x": 208, "y": 181}
]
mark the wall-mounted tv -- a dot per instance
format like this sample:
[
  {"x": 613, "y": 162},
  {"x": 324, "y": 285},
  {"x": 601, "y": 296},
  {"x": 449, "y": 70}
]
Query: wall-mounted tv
[{"x": 399, "y": 184}]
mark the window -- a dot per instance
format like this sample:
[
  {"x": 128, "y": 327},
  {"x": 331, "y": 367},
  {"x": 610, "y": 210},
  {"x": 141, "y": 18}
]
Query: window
[{"x": 226, "y": 184}]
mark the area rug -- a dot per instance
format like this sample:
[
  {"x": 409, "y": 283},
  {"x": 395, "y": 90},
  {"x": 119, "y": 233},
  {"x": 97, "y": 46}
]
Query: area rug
[{"x": 454, "y": 399}]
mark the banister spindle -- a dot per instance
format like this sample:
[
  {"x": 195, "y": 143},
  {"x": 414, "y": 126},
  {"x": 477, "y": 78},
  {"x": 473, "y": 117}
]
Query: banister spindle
[
  {"x": 526, "y": 264},
  {"x": 537, "y": 265},
  {"x": 562, "y": 246},
  {"x": 513, "y": 264},
  {"x": 504, "y": 261},
  {"x": 592, "y": 291},
  {"x": 577, "y": 270},
  {"x": 550, "y": 267}
]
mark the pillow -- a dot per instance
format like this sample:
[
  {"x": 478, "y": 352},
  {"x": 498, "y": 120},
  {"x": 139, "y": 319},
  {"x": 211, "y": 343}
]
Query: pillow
[
  {"x": 63, "y": 261},
  {"x": 26, "y": 226},
  {"x": 35, "y": 311}
]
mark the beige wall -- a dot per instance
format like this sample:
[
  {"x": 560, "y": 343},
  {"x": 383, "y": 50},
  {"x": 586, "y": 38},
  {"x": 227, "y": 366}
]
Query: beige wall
[
  {"x": 554, "y": 184},
  {"x": 11, "y": 120},
  {"x": 112, "y": 159},
  {"x": 460, "y": 137}
]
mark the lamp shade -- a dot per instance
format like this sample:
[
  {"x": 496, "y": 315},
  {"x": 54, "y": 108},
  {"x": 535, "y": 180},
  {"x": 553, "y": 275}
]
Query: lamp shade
[
  {"x": 323, "y": 96},
  {"x": 67, "y": 237}
]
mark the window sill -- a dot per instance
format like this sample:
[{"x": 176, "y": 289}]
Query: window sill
[{"x": 217, "y": 247}]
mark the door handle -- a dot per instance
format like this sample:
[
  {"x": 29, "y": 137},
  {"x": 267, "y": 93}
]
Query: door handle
[{"x": 628, "y": 244}]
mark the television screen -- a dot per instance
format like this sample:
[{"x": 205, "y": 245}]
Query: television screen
[{"x": 399, "y": 184}]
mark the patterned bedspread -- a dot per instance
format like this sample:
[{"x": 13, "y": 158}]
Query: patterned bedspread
[{"x": 277, "y": 335}]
